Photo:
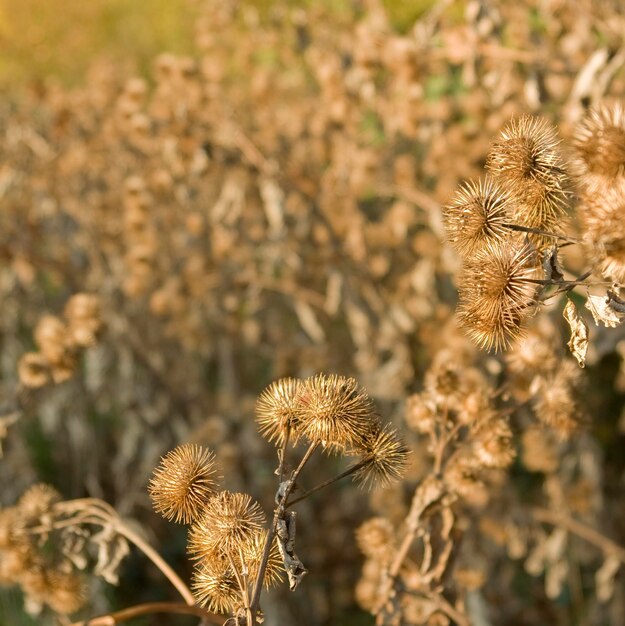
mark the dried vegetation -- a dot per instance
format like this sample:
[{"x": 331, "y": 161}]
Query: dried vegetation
[{"x": 434, "y": 212}]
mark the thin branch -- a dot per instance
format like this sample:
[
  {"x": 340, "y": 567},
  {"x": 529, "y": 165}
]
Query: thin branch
[
  {"x": 607, "y": 546},
  {"x": 148, "y": 609},
  {"x": 156, "y": 558},
  {"x": 543, "y": 233},
  {"x": 281, "y": 499},
  {"x": 350, "y": 470}
]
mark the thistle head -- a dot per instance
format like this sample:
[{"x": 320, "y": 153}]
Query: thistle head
[
  {"x": 496, "y": 293},
  {"x": 526, "y": 161},
  {"x": 599, "y": 142},
  {"x": 335, "y": 412},
  {"x": 277, "y": 410},
  {"x": 477, "y": 215},
  {"x": 228, "y": 521},
  {"x": 386, "y": 458},
  {"x": 183, "y": 482}
]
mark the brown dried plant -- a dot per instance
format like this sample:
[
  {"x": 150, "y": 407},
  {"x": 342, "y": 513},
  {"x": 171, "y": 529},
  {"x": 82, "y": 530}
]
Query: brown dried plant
[{"x": 505, "y": 277}]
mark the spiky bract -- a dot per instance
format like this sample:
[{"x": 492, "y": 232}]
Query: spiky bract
[
  {"x": 599, "y": 142},
  {"x": 477, "y": 214},
  {"x": 229, "y": 520},
  {"x": 276, "y": 410},
  {"x": 336, "y": 412},
  {"x": 496, "y": 293},
  {"x": 387, "y": 457},
  {"x": 183, "y": 482}
]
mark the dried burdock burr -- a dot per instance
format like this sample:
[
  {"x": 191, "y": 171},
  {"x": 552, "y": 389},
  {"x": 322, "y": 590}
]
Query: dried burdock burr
[
  {"x": 477, "y": 215},
  {"x": 277, "y": 410},
  {"x": 498, "y": 289},
  {"x": 183, "y": 483},
  {"x": 599, "y": 143},
  {"x": 527, "y": 162},
  {"x": 335, "y": 412},
  {"x": 227, "y": 522},
  {"x": 385, "y": 458}
]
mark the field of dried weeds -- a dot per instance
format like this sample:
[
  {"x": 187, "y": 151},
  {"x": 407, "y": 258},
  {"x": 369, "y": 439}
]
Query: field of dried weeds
[{"x": 316, "y": 319}]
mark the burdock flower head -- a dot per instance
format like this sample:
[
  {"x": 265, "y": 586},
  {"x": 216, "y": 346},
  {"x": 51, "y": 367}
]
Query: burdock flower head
[
  {"x": 183, "y": 483},
  {"x": 336, "y": 412},
  {"x": 215, "y": 586},
  {"x": 385, "y": 458},
  {"x": 497, "y": 291},
  {"x": 228, "y": 522},
  {"x": 526, "y": 160},
  {"x": 599, "y": 142},
  {"x": 477, "y": 215},
  {"x": 277, "y": 410},
  {"x": 602, "y": 215}
]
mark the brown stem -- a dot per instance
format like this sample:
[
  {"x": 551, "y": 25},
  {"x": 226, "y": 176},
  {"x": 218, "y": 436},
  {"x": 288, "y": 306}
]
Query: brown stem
[
  {"x": 544, "y": 233},
  {"x": 103, "y": 514},
  {"x": 444, "y": 606},
  {"x": 147, "y": 609},
  {"x": 281, "y": 499},
  {"x": 156, "y": 558},
  {"x": 609, "y": 547},
  {"x": 350, "y": 470}
]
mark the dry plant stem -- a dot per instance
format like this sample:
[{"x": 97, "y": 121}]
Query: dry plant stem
[
  {"x": 350, "y": 470},
  {"x": 607, "y": 546},
  {"x": 278, "y": 513},
  {"x": 445, "y": 607},
  {"x": 156, "y": 558},
  {"x": 148, "y": 609},
  {"x": 544, "y": 233},
  {"x": 100, "y": 513}
]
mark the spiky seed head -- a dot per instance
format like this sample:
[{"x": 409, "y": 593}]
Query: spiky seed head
[
  {"x": 526, "y": 161},
  {"x": 215, "y": 586},
  {"x": 335, "y": 412},
  {"x": 66, "y": 592},
  {"x": 387, "y": 457},
  {"x": 51, "y": 338},
  {"x": 496, "y": 294},
  {"x": 37, "y": 501},
  {"x": 228, "y": 521},
  {"x": 599, "y": 142},
  {"x": 602, "y": 215},
  {"x": 376, "y": 538},
  {"x": 527, "y": 151},
  {"x": 33, "y": 370},
  {"x": 492, "y": 444},
  {"x": 183, "y": 482},
  {"x": 477, "y": 214},
  {"x": 252, "y": 556},
  {"x": 277, "y": 410}
]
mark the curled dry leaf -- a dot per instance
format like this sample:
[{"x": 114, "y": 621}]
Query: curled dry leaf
[
  {"x": 551, "y": 265},
  {"x": 608, "y": 310},
  {"x": 578, "y": 344}
]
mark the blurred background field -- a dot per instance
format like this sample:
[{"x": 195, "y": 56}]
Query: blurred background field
[
  {"x": 252, "y": 190},
  {"x": 41, "y": 39}
]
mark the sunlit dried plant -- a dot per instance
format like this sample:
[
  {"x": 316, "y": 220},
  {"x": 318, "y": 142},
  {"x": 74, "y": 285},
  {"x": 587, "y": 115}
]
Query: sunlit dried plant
[{"x": 183, "y": 482}]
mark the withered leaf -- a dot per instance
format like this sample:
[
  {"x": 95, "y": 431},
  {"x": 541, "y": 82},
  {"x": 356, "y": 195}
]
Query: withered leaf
[
  {"x": 578, "y": 344},
  {"x": 608, "y": 310},
  {"x": 551, "y": 265}
]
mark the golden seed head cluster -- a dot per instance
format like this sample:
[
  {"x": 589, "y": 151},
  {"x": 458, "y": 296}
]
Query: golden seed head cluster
[{"x": 60, "y": 342}]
